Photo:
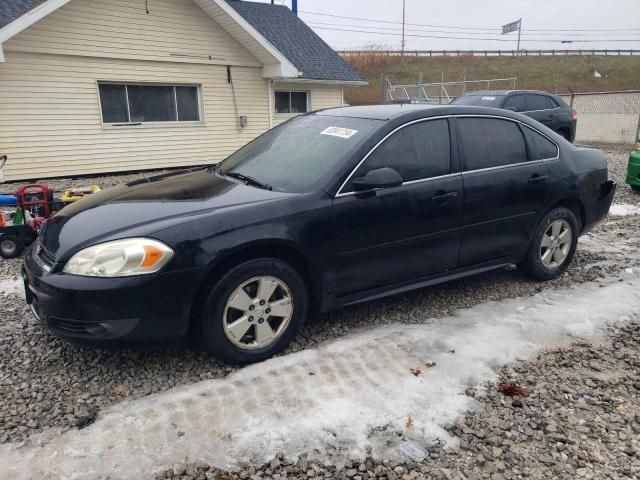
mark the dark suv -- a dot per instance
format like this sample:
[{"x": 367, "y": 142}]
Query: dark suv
[{"x": 548, "y": 109}]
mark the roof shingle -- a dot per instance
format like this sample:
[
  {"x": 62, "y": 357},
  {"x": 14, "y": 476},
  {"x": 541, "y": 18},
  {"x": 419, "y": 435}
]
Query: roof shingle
[
  {"x": 279, "y": 25},
  {"x": 12, "y": 9},
  {"x": 296, "y": 41}
]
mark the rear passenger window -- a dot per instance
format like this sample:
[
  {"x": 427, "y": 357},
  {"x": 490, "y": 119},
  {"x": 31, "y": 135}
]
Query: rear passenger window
[
  {"x": 537, "y": 102},
  {"x": 490, "y": 142},
  {"x": 551, "y": 103},
  {"x": 540, "y": 147},
  {"x": 418, "y": 151}
]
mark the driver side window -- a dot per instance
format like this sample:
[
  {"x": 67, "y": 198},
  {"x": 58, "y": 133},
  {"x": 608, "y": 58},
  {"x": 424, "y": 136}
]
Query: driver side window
[
  {"x": 515, "y": 103},
  {"x": 419, "y": 151}
]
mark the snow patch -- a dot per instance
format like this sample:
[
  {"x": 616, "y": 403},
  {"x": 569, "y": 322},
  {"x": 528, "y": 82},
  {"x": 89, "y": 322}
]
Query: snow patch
[
  {"x": 623, "y": 210},
  {"x": 11, "y": 287},
  {"x": 334, "y": 402}
]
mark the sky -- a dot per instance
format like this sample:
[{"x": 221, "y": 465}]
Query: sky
[{"x": 470, "y": 24}]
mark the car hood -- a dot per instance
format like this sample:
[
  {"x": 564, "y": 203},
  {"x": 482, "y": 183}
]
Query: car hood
[{"x": 144, "y": 206}]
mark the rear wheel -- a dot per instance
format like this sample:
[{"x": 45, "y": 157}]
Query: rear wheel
[
  {"x": 254, "y": 311},
  {"x": 11, "y": 246},
  {"x": 564, "y": 134},
  {"x": 553, "y": 245}
]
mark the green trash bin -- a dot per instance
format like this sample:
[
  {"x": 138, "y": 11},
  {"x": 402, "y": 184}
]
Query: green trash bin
[{"x": 633, "y": 170}]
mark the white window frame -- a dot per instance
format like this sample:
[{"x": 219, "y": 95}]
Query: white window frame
[
  {"x": 172, "y": 123},
  {"x": 275, "y": 105}
]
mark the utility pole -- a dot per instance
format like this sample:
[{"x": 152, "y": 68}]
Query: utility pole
[{"x": 404, "y": 12}]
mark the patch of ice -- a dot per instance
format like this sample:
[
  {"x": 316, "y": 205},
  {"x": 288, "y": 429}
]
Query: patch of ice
[
  {"x": 623, "y": 210},
  {"x": 333, "y": 402},
  {"x": 12, "y": 287}
]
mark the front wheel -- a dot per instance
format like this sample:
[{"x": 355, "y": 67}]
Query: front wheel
[
  {"x": 254, "y": 311},
  {"x": 553, "y": 245}
]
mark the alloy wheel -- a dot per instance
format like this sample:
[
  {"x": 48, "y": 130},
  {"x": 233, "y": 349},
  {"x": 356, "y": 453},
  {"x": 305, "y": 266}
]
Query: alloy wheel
[
  {"x": 258, "y": 312},
  {"x": 556, "y": 244}
]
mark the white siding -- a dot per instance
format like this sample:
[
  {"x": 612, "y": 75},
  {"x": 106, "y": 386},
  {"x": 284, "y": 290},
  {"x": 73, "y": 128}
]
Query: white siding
[
  {"x": 50, "y": 122},
  {"x": 320, "y": 97},
  {"x": 173, "y": 30}
]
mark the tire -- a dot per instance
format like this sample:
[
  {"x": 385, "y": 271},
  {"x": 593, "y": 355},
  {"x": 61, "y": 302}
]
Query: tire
[
  {"x": 635, "y": 188},
  {"x": 235, "y": 299},
  {"x": 564, "y": 134},
  {"x": 544, "y": 262},
  {"x": 11, "y": 246}
]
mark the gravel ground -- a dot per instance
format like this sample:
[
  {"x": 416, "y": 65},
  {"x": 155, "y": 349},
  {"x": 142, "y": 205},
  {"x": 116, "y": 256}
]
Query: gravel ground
[
  {"x": 45, "y": 382},
  {"x": 580, "y": 418}
]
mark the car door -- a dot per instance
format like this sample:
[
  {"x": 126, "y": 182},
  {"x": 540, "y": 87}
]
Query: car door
[
  {"x": 540, "y": 109},
  {"x": 405, "y": 232},
  {"x": 504, "y": 190}
]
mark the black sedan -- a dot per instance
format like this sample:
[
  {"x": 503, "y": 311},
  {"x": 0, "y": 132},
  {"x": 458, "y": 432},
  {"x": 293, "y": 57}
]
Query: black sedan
[
  {"x": 329, "y": 209},
  {"x": 550, "y": 110}
]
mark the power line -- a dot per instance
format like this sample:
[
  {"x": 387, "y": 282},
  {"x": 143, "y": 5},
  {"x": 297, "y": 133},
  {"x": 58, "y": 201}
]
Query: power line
[
  {"x": 476, "y": 38},
  {"x": 524, "y": 34},
  {"x": 474, "y": 28}
]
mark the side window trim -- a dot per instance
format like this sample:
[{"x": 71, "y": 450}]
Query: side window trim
[
  {"x": 526, "y": 99},
  {"x": 457, "y": 165},
  {"x": 453, "y": 155}
]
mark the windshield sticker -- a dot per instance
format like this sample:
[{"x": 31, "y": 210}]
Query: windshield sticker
[
  {"x": 489, "y": 98},
  {"x": 339, "y": 132}
]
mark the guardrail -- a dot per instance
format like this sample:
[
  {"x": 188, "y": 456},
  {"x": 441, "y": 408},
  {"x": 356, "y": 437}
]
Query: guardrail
[{"x": 490, "y": 53}]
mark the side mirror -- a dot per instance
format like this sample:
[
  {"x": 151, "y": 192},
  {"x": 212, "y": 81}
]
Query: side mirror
[{"x": 379, "y": 178}]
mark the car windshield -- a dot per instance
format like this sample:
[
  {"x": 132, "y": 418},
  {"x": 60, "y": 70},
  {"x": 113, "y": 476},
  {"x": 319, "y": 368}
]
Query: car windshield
[
  {"x": 487, "y": 100},
  {"x": 299, "y": 154}
]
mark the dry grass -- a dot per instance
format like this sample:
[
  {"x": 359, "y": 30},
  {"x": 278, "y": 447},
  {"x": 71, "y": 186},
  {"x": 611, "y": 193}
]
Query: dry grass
[{"x": 559, "y": 74}]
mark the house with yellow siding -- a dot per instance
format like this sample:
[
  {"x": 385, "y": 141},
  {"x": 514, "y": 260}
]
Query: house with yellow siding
[{"x": 98, "y": 86}]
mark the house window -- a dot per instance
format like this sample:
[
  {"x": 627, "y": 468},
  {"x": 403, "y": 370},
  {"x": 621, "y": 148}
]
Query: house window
[
  {"x": 292, "y": 102},
  {"x": 140, "y": 103}
]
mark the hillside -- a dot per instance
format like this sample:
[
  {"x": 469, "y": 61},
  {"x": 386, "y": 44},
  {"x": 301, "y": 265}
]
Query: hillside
[{"x": 551, "y": 73}]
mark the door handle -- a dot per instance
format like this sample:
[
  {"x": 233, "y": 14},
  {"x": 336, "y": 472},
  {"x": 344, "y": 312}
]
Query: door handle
[
  {"x": 443, "y": 197},
  {"x": 537, "y": 179}
]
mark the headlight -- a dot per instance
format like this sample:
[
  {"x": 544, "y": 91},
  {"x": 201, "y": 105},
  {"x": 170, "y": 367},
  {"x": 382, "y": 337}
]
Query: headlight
[{"x": 120, "y": 258}]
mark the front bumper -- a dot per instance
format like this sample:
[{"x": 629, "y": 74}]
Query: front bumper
[
  {"x": 143, "y": 311},
  {"x": 633, "y": 171}
]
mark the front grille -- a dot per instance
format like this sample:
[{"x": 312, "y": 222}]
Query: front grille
[
  {"x": 42, "y": 257},
  {"x": 47, "y": 257}
]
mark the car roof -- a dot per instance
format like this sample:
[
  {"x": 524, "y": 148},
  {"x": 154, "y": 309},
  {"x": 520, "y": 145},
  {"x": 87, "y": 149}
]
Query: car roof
[
  {"x": 505, "y": 92},
  {"x": 377, "y": 112},
  {"x": 413, "y": 111}
]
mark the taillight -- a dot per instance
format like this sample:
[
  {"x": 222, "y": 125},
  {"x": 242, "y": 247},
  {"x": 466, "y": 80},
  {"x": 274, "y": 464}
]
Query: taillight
[{"x": 574, "y": 114}]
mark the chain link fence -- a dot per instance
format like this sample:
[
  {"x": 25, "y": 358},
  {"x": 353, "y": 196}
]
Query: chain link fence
[
  {"x": 603, "y": 117},
  {"x": 606, "y": 117}
]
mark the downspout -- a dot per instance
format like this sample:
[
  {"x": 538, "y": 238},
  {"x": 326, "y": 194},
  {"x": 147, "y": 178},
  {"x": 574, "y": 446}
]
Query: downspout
[{"x": 269, "y": 95}]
